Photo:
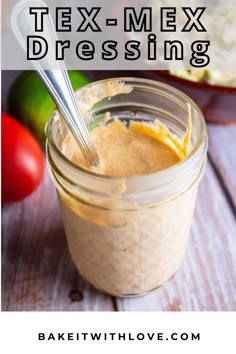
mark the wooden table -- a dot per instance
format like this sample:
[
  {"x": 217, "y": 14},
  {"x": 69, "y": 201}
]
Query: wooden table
[{"x": 38, "y": 274}]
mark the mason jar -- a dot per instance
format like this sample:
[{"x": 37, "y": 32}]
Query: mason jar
[{"x": 128, "y": 235}]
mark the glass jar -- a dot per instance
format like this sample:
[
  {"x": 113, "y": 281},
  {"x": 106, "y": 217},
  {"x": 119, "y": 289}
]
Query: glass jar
[{"x": 127, "y": 236}]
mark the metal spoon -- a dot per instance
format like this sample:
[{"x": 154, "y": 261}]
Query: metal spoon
[{"x": 56, "y": 81}]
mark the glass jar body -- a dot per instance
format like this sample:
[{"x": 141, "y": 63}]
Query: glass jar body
[
  {"x": 127, "y": 253},
  {"x": 127, "y": 242}
]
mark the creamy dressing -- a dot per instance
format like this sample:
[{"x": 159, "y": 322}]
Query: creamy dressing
[
  {"x": 118, "y": 246},
  {"x": 139, "y": 149}
]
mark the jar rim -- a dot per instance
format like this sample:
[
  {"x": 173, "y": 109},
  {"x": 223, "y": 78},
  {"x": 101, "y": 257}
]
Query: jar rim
[{"x": 153, "y": 84}]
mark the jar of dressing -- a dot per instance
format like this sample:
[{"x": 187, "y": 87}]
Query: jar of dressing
[{"x": 127, "y": 234}]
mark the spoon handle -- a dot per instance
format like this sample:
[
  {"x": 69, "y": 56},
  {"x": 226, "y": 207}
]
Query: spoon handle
[
  {"x": 59, "y": 86},
  {"x": 56, "y": 81}
]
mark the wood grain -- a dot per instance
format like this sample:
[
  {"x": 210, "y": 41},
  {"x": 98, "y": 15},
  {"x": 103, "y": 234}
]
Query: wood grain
[
  {"x": 207, "y": 278},
  {"x": 222, "y": 148},
  {"x": 37, "y": 271}
]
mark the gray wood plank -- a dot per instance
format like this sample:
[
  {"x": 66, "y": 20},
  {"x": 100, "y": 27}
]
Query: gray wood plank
[
  {"x": 222, "y": 148},
  {"x": 207, "y": 278}
]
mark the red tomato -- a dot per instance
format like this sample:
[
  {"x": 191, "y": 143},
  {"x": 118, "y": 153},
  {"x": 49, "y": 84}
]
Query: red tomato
[{"x": 22, "y": 161}]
